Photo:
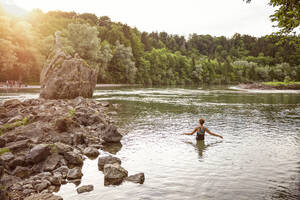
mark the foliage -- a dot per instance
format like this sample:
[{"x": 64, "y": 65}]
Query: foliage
[
  {"x": 287, "y": 15},
  {"x": 281, "y": 83},
  {"x": 123, "y": 54}
]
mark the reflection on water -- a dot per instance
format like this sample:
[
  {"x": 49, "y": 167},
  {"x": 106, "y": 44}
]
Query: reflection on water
[
  {"x": 257, "y": 159},
  {"x": 200, "y": 146}
]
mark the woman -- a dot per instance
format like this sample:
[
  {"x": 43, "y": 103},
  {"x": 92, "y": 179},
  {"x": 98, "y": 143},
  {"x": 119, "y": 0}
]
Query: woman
[{"x": 201, "y": 131}]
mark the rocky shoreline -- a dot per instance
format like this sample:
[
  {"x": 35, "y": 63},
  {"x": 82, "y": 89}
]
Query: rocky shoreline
[
  {"x": 43, "y": 144},
  {"x": 261, "y": 86}
]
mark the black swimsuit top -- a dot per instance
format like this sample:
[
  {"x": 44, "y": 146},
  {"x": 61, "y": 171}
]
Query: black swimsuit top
[{"x": 200, "y": 135}]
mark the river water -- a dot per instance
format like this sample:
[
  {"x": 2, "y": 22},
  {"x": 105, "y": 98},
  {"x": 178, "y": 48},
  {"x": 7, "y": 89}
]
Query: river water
[{"x": 259, "y": 157}]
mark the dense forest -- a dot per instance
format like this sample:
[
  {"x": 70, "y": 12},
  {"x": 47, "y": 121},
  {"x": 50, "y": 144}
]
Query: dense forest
[{"x": 123, "y": 54}]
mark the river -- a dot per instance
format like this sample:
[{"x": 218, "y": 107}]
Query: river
[{"x": 259, "y": 157}]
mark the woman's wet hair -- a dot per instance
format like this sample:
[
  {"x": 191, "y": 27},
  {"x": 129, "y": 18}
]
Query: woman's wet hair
[{"x": 201, "y": 121}]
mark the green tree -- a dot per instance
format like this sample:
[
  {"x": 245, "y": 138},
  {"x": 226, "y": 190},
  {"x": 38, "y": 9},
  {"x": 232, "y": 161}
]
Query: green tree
[{"x": 287, "y": 15}]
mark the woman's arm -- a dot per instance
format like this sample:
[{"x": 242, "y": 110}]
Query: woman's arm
[
  {"x": 208, "y": 131},
  {"x": 191, "y": 132}
]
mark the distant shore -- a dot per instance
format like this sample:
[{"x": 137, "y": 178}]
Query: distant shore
[
  {"x": 271, "y": 86},
  {"x": 38, "y": 86}
]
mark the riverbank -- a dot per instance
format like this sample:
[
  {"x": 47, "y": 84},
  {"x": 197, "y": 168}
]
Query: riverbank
[
  {"x": 271, "y": 85},
  {"x": 43, "y": 143}
]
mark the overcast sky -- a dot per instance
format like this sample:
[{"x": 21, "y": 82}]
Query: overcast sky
[{"x": 183, "y": 17}]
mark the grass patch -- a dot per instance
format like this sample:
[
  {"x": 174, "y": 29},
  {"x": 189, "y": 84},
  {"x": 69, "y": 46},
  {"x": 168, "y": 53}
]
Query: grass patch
[
  {"x": 7, "y": 127},
  {"x": 4, "y": 150},
  {"x": 72, "y": 112},
  {"x": 282, "y": 83},
  {"x": 53, "y": 148}
]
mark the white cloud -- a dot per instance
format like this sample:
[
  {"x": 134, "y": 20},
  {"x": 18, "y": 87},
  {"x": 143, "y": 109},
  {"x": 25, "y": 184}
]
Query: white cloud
[{"x": 214, "y": 17}]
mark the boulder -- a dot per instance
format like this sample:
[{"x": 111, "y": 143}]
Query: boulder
[
  {"x": 73, "y": 158},
  {"x": 107, "y": 160},
  {"x": 114, "y": 174},
  {"x": 67, "y": 78},
  {"x": 91, "y": 152},
  {"x": 52, "y": 162},
  {"x": 22, "y": 172},
  {"x": 75, "y": 173},
  {"x": 43, "y": 196},
  {"x": 111, "y": 134},
  {"x": 112, "y": 148},
  {"x": 38, "y": 153},
  {"x": 137, "y": 178},
  {"x": 85, "y": 188}
]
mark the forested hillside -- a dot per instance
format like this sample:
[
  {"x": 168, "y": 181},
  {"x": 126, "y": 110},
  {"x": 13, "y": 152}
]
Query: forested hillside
[{"x": 123, "y": 54}]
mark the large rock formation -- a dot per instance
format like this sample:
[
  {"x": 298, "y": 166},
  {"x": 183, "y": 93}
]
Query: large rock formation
[{"x": 65, "y": 77}]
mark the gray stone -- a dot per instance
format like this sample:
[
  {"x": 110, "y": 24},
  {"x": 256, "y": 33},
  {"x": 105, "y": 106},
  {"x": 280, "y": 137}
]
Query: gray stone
[
  {"x": 75, "y": 173},
  {"x": 18, "y": 161},
  {"x": 66, "y": 78},
  {"x": 44, "y": 175},
  {"x": 78, "y": 138},
  {"x": 7, "y": 156},
  {"x": 114, "y": 174},
  {"x": 56, "y": 179},
  {"x": 16, "y": 186},
  {"x": 14, "y": 119},
  {"x": 63, "y": 148},
  {"x": 75, "y": 181},
  {"x": 53, "y": 188},
  {"x": 85, "y": 188},
  {"x": 28, "y": 186},
  {"x": 111, "y": 134},
  {"x": 91, "y": 152},
  {"x": 43, "y": 196},
  {"x": 41, "y": 186},
  {"x": 10, "y": 180},
  {"x": 63, "y": 170},
  {"x": 38, "y": 153},
  {"x": 62, "y": 124},
  {"x": 137, "y": 178},
  {"x": 12, "y": 103},
  {"x": 52, "y": 162},
  {"x": 21, "y": 172},
  {"x": 19, "y": 145},
  {"x": 105, "y": 104},
  {"x": 107, "y": 160},
  {"x": 73, "y": 158},
  {"x": 28, "y": 191}
]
